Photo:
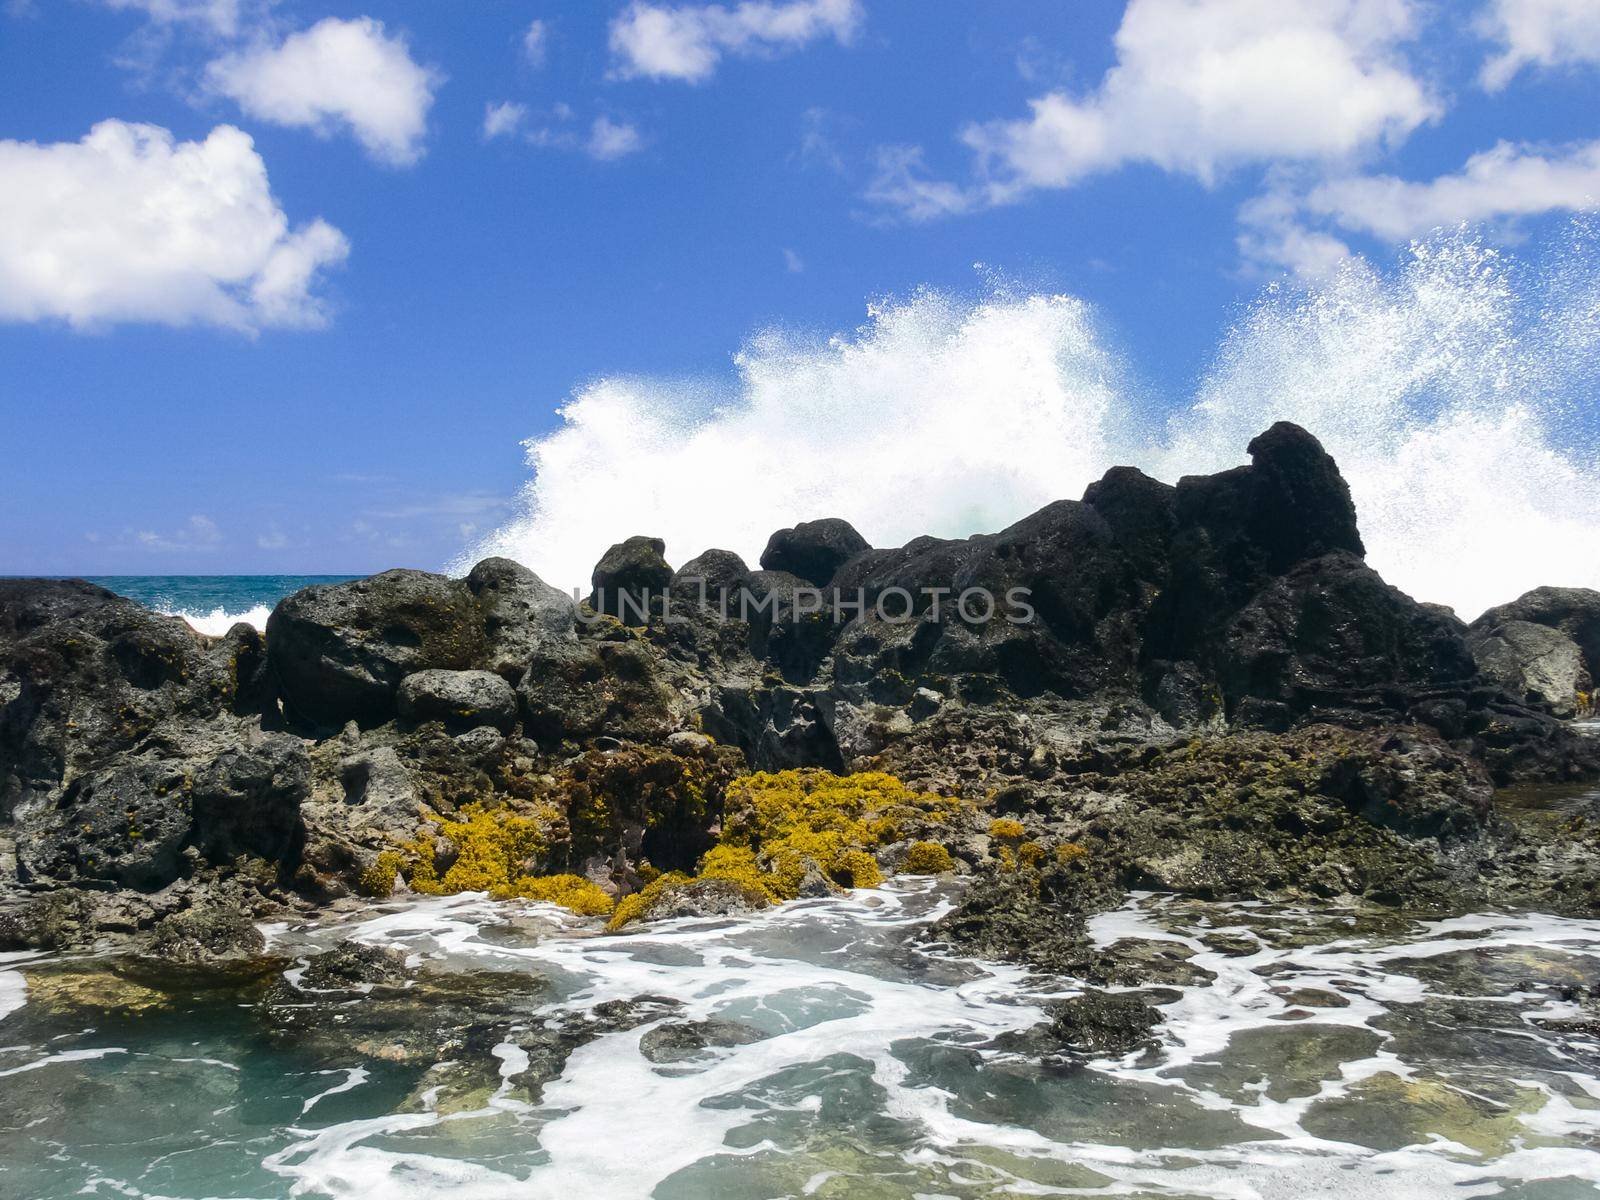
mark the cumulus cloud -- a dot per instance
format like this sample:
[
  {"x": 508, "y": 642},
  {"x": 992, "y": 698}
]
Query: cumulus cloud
[
  {"x": 1289, "y": 228},
  {"x": 336, "y": 75},
  {"x": 1198, "y": 88},
  {"x": 503, "y": 119},
  {"x": 1507, "y": 181},
  {"x": 652, "y": 41},
  {"x": 610, "y": 140},
  {"x": 131, "y": 225},
  {"x": 1539, "y": 33}
]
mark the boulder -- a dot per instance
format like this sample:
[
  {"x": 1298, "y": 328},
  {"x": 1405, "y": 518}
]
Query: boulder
[
  {"x": 813, "y": 550},
  {"x": 1301, "y": 505},
  {"x": 1534, "y": 663},
  {"x": 1574, "y": 612},
  {"x": 339, "y": 651},
  {"x": 1239, "y": 529},
  {"x": 86, "y": 675},
  {"x": 462, "y": 700},
  {"x": 521, "y": 614},
  {"x": 713, "y": 579},
  {"x": 629, "y": 577},
  {"x": 1142, "y": 514},
  {"x": 1103, "y": 1022}
]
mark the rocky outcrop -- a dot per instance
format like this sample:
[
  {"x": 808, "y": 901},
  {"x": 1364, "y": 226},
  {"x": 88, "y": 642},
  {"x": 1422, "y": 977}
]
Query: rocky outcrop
[
  {"x": 1200, "y": 687},
  {"x": 813, "y": 550}
]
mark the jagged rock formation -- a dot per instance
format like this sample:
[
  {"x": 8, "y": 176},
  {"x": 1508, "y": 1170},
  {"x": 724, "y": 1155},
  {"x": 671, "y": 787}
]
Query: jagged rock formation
[{"x": 1056, "y": 669}]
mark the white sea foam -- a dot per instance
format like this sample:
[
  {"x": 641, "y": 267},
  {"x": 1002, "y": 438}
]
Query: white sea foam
[
  {"x": 1452, "y": 389},
  {"x": 13, "y": 984},
  {"x": 218, "y": 621},
  {"x": 825, "y": 984}
]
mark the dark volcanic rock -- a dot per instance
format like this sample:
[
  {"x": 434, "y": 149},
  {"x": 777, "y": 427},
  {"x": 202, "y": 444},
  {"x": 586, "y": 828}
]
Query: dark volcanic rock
[
  {"x": 126, "y": 825},
  {"x": 1238, "y": 529},
  {"x": 86, "y": 675},
  {"x": 1200, "y": 688},
  {"x": 205, "y": 935},
  {"x": 675, "y": 1041},
  {"x": 594, "y": 688},
  {"x": 339, "y": 651},
  {"x": 247, "y": 801},
  {"x": 1103, "y": 1022},
  {"x": 352, "y": 965},
  {"x": 521, "y": 615},
  {"x": 1528, "y": 665},
  {"x": 712, "y": 579},
  {"x": 629, "y": 578},
  {"x": 1331, "y": 633},
  {"x": 813, "y": 550},
  {"x": 461, "y": 699}
]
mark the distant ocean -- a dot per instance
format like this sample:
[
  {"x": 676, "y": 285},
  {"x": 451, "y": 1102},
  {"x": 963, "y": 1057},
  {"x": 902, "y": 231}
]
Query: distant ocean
[{"x": 212, "y": 603}]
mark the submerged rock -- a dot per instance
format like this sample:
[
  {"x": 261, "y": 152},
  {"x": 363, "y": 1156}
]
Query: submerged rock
[{"x": 1103, "y": 1022}]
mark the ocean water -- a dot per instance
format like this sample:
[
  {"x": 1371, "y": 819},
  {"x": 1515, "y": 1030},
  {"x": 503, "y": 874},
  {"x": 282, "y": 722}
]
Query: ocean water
[
  {"x": 212, "y": 604},
  {"x": 1315, "y": 1054}
]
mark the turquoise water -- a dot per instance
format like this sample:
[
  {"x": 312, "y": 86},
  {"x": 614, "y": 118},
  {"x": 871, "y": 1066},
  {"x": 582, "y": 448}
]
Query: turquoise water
[
  {"x": 1305, "y": 1054},
  {"x": 212, "y": 603}
]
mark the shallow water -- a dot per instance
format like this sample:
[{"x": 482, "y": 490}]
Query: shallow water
[{"x": 1326, "y": 1054}]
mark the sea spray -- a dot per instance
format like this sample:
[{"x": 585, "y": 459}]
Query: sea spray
[{"x": 1455, "y": 389}]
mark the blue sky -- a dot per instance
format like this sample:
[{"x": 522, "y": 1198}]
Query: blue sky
[{"x": 319, "y": 349}]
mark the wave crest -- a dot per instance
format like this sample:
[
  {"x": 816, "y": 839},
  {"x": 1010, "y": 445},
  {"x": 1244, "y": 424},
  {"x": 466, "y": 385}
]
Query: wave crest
[{"x": 1454, "y": 390}]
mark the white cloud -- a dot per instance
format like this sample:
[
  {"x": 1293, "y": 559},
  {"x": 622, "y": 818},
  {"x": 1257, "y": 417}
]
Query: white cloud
[
  {"x": 1539, "y": 33},
  {"x": 503, "y": 119},
  {"x": 130, "y": 225},
  {"x": 1199, "y": 88},
  {"x": 795, "y": 264},
  {"x": 610, "y": 140},
  {"x": 223, "y": 17},
  {"x": 605, "y": 140},
  {"x": 199, "y": 536},
  {"x": 902, "y": 183},
  {"x": 651, "y": 41},
  {"x": 1507, "y": 181},
  {"x": 337, "y": 74},
  {"x": 1498, "y": 185},
  {"x": 536, "y": 43}
]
